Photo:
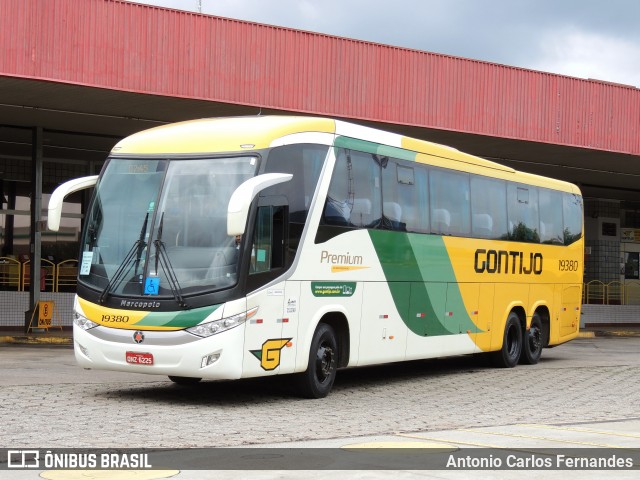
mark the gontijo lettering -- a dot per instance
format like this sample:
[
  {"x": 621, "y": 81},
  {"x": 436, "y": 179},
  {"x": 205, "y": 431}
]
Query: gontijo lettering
[{"x": 503, "y": 261}]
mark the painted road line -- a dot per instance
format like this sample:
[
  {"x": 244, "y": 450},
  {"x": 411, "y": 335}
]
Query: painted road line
[
  {"x": 432, "y": 446},
  {"x": 449, "y": 440},
  {"x": 581, "y": 430},
  {"x": 514, "y": 436},
  {"x": 545, "y": 439}
]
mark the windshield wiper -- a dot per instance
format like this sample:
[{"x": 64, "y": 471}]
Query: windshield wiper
[
  {"x": 135, "y": 252},
  {"x": 163, "y": 257}
]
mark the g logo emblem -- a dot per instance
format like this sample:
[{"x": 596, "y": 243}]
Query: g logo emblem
[{"x": 269, "y": 356}]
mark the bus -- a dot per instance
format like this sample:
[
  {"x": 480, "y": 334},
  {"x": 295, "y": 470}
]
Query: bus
[{"x": 229, "y": 248}]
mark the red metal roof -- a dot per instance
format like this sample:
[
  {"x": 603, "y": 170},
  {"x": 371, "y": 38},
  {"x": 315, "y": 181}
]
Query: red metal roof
[{"x": 139, "y": 48}]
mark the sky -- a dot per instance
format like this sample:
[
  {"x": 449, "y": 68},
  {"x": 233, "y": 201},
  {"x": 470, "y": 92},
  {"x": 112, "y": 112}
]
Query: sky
[{"x": 597, "y": 39}]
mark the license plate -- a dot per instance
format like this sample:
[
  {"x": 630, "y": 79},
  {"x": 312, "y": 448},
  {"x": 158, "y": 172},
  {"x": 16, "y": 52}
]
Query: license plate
[{"x": 137, "y": 358}]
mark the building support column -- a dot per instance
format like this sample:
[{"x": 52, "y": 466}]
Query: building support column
[
  {"x": 10, "y": 192},
  {"x": 35, "y": 243}
]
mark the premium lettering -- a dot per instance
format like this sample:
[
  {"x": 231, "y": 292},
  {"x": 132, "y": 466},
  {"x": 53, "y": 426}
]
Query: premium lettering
[
  {"x": 346, "y": 259},
  {"x": 508, "y": 262}
]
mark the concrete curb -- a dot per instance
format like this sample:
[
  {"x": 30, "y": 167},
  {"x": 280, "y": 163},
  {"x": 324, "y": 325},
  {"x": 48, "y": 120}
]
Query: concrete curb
[
  {"x": 586, "y": 334},
  {"x": 615, "y": 333},
  {"x": 35, "y": 340}
]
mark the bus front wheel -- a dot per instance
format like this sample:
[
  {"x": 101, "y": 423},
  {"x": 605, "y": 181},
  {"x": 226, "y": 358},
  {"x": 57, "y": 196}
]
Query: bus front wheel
[
  {"x": 509, "y": 354},
  {"x": 317, "y": 381},
  {"x": 532, "y": 344}
]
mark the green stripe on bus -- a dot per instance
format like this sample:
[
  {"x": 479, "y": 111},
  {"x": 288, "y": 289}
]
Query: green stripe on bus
[
  {"x": 376, "y": 148},
  {"x": 422, "y": 282},
  {"x": 186, "y": 319}
]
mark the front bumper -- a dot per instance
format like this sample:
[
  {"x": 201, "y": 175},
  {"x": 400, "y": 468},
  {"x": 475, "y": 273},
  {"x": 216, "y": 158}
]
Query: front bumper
[{"x": 175, "y": 353}]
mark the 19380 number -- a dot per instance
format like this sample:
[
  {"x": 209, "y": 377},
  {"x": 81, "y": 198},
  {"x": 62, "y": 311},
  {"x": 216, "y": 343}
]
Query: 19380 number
[
  {"x": 115, "y": 318},
  {"x": 568, "y": 265}
]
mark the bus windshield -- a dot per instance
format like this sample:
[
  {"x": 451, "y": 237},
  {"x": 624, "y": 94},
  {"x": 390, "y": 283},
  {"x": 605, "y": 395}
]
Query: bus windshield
[{"x": 159, "y": 227}]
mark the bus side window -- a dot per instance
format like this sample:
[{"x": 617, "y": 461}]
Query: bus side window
[
  {"x": 488, "y": 207},
  {"x": 572, "y": 213},
  {"x": 551, "y": 228},
  {"x": 267, "y": 252},
  {"x": 450, "y": 202},
  {"x": 522, "y": 206}
]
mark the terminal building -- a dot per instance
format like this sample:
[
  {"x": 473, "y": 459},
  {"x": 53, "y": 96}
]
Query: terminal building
[{"x": 76, "y": 76}]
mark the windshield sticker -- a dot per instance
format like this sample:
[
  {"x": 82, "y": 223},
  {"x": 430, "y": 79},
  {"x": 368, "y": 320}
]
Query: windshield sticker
[
  {"x": 142, "y": 168},
  {"x": 85, "y": 266},
  {"x": 333, "y": 289},
  {"x": 152, "y": 286}
]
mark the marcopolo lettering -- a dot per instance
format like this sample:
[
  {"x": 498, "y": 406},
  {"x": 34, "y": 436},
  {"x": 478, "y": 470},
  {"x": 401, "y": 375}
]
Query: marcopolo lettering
[
  {"x": 511, "y": 262},
  {"x": 139, "y": 304}
]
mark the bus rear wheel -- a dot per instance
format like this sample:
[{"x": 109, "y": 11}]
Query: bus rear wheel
[
  {"x": 532, "y": 342},
  {"x": 509, "y": 354},
  {"x": 318, "y": 380}
]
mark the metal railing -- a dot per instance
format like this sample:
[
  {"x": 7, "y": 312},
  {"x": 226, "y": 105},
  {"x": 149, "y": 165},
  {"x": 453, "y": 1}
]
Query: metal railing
[
  {"x": 47, "y": 275},
  {"x": 16, "y": 275},
  {"x": 66, "y": 274},
  {"x": 10, "y": 274},
  {"x": 612, "y": 293}
]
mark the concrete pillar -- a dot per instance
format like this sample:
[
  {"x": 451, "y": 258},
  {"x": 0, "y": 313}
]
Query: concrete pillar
[
  {"x": 35, "y": 246},
  {"x": 10, "y": 192}
]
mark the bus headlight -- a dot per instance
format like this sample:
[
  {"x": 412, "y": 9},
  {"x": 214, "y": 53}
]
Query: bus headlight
[
  {"x": 83, "y": 322},
  {"x": 217, "y": 326}
]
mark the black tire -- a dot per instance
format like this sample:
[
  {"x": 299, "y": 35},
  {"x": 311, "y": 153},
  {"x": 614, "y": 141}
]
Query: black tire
[
  {"x": 318, "y": 380},
  {"x": 532, "y": 342},
  {"x": 184, "y": 380},
  {"x": 509, "y": 354}
]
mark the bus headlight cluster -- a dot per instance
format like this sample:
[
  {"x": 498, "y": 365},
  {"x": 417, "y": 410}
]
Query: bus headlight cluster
[
  {"x": 83, "y": 322},
  {"x": 217, "y": 326}
]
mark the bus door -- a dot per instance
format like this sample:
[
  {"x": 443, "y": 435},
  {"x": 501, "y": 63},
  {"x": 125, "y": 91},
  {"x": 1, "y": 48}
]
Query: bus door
[
  {"x": 569, "y": 309},
  {"x": 266, "y": 346},
  {"x": 462, "y": 307},
  {"x": 383, "y": 334},
  {"x": 483, "y": 316}
]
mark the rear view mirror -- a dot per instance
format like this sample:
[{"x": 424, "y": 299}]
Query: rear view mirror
[
  {"x": 241, "y": 199},
  {"x": 58, "y": 195}
]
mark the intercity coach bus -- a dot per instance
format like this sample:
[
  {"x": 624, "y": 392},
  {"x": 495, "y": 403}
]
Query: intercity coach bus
[{"x": 243, "y": 247}]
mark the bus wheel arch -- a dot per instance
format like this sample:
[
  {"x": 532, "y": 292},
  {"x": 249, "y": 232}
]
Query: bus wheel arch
[
  {"x": 545, "y": 318},
  {"x": 512, "y": 339},
  {"x": 340, "y": 326},
  {"x": 536, "y": 337},
  {"x": 317, "y": 380}
]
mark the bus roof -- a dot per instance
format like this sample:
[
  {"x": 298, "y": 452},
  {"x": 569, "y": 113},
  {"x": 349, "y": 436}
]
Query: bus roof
[
  {"x": 219, "y": 134},
  {"x": 236, "y": 134}
]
